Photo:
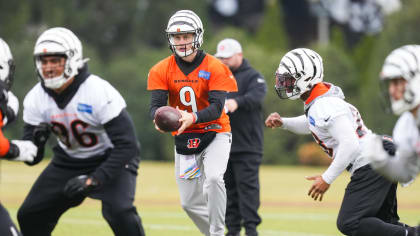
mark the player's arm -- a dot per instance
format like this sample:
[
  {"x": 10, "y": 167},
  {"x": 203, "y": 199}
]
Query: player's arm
[
  {"x": 38, "y": 135},
  {"x": 11, "y": 109},
  {"x": 214, "y": 110},
  {"x": 254, "y": 95},
  {"x": 341, "y": 129},
  {"x": 16, "y": 150},
  {"x": 158, "y": 99},
  {"x": 401, "y": 167},
  {"x": 120, "y": 131}
]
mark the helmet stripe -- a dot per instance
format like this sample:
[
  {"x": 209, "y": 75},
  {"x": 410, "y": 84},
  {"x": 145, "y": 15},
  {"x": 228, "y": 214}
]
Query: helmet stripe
[
  {"x": 294, "y": 65},
  {"x": 301, "y": 59},
  {"x": 313, "y": 64}
]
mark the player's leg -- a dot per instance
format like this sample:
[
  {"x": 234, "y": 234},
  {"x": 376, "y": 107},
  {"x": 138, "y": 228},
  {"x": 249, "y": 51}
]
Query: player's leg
[
  {"x": 247, "y": 176},
  {"x": 117, "y": 204},
  {"x": 46, "y": 202},
  {"x": 7, "y": 227},
  {"x": 192, "y": 197},
  {"x": 215, "y": 160},
  {"x": 233, "y": 216},
  {"x": 363, "y": 199}
]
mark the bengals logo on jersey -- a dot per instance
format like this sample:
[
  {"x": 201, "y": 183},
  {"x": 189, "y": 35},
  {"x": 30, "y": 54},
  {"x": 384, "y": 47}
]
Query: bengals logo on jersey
[{"x": 193, "y": 143}]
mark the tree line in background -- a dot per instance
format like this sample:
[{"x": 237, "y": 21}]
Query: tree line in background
[{"x": 124, "y": 39}]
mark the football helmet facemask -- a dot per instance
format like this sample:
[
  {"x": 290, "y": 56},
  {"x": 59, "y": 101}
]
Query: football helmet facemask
[
  {"x": 62, "y": 42},
  {"x": 299, "y": 70},
  {"x": 7, "y": 65},
  {"x": 183, "y": 22},
  {"x": 403, "y": 62}
]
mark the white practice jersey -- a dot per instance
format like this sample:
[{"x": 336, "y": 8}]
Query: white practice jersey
[
  {"x": 407, "y": 138},
  {"x": 323, "y": 112},
  {"x": 79, "y": 127}
]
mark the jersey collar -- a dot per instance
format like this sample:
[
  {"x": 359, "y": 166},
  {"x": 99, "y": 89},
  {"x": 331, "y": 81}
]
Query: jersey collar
[{"x": 65, "y": 97}]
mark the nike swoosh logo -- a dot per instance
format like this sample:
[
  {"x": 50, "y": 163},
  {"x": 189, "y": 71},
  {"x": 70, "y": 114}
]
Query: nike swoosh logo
[{"x": 327, "y": 119}]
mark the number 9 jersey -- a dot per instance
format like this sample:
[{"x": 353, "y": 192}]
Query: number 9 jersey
[
  {"x": 190, "y": 92},
  {"x": 79, "y": 126}
]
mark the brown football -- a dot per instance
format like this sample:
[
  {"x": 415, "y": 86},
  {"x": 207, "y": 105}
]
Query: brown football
[{"x": 167, "y": 118}]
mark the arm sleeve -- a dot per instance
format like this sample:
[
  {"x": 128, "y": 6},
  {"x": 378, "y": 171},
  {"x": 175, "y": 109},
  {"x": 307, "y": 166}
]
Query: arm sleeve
[
  {"x": 403, "y": 167},
  {"x": 297, "y": 125},
  {"x": 254, "y": 95},
  {"x": 214, "y": 110},
  {"x": 347, "y": 150},
  {"x": 120, "y": 131},
  {"x": 158, "y": 98}
]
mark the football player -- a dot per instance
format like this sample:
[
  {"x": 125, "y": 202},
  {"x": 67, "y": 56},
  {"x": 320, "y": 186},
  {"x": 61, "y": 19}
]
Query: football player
[
  {"x": 400, "y": 76},
  {"x": 97, "y": 152},
  {"x": 14, "y": 150},
  {"x": 369, "y": 206},
  {"x": 197, "y": 83}
]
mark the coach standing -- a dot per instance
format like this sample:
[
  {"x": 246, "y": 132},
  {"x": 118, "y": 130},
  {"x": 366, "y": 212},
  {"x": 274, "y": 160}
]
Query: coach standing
[{"x": 245, "y": 112}]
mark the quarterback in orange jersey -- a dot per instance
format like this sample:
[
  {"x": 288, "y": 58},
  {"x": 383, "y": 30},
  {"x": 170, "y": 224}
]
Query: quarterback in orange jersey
[{"x": 197, "y": 84}]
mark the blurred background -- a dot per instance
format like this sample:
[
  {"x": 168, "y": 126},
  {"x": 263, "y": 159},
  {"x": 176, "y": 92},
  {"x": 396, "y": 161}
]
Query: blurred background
[{"x": 124, "y": 39}]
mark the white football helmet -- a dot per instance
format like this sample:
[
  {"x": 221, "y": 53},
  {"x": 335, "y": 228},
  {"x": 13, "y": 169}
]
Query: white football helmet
[
  {"x": 403, "y": 62},
  {"x": 7, "y": 66},
  {"x": 299, "y": 70},
  {"x": 185, "y": 21},
  {"x": 59, "y": 41}
]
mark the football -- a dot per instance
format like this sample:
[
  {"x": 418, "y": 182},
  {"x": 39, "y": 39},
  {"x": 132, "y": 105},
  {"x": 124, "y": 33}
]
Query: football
[{"x": 167, "y": 118}]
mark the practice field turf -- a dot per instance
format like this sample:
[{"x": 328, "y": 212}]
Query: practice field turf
[{"x": 286, "y": 209}]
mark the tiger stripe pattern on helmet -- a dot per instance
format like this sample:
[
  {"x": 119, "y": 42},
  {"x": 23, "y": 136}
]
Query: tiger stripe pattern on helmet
[
  {"x": 7, "y": 65},
  {"x": 303, "y": 66},
  {"x": 185, "y": 21},
  {"x": 403, "y": 63}
]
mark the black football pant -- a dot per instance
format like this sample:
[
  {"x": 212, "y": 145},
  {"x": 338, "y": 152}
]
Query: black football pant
[
  {"x": 243, "y": 193},
  {"x": 46, "y": 202},
  {"x": 7, "y": 227},
  {"x": 369, "y": 206}
]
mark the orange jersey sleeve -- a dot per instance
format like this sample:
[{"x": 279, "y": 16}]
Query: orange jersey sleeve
[
  {"x": 191, "y": 92},
  {"x": 4, "y": 142}
]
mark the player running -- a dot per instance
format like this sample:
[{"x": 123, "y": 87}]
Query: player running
[
  {"x": 369, "y": 206},
  {"x": 400, "y": 76}
]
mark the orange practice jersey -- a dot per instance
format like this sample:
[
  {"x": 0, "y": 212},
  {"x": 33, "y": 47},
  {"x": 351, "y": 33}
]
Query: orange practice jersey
[{"x": 191, "y": 92}]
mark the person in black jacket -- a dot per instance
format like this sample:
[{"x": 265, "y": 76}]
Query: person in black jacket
[
  {"x": 97, "y": 151},
  {"x": 245, "y": 112}
]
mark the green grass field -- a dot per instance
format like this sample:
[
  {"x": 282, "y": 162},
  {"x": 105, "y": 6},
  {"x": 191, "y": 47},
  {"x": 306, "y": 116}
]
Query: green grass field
[{"x": 286, "y": 209}]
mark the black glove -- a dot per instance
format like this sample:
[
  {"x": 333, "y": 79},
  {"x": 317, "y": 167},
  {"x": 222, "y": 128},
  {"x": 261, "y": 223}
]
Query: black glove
[
  {"x": 388, "y": 145},
  {"x": 78, "y": 186},
  {"x": 41, "y": 134}
]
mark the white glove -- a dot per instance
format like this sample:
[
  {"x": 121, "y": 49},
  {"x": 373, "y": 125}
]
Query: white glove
[
  {"x": 13, "y": 103},
  {"x": 374, "y": 151},
  {"x": 27, "y": 150}
]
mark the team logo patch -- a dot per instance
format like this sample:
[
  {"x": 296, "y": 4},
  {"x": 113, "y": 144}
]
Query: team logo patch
[
  {"x": 84, "y": 108},
  {"x": 193, "y": 143},
  {"x": 204, "y": 74},
  {"x": 311, "y": 120}
]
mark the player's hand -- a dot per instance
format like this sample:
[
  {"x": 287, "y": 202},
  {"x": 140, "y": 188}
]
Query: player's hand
[
  {"x": 41, "y": 134},
  {"x": 27, "y": 150},
  {"x": 273, "y": 120},
  {"x": 80, "y": 185},
  {"x": 231, "y": 105},
  {"x": 157, "y": 127},
  {"x": 319, "y": 187},
  {"x": 187, "y": 119}
]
